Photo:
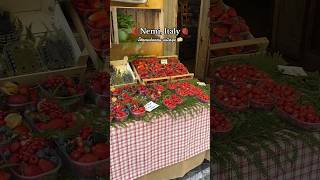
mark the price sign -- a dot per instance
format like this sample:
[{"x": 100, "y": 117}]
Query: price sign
[
  {"x": 201, "y": 84},
  {"x": 164, "y": 61},
  {"x": 150, "y": 106}
]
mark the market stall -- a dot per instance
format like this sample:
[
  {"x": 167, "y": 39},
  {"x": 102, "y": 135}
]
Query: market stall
[
  {"x": 265, "y": 120},
  {"x": 160, "y": 123}
]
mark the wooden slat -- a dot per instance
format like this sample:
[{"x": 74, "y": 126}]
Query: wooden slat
[
  {"x": 261, "y": 42},
  {"x": 202, "y": 56}
]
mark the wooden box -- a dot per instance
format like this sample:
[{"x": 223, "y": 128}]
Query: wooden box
[
  {"x": 160, "y": 79},
  {"x": 39, "y": 12},
  {"x": 124, "y": 66}
]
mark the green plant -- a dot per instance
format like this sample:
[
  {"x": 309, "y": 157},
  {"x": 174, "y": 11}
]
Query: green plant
[{"x": 124, "y": 21}]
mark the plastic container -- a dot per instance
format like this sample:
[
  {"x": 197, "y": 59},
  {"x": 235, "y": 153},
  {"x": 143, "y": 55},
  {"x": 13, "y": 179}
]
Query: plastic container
[
  {"x": 231, "y": 108},
  {"x": 50, "y": 175},
  {"x": 120, "y": 119},
  {"x": 86, "y": 170},
  {"x": 259, "y": 105},
  {"x": 307, "y": 125},
  {"x": 72, "y": 103},
  {"x": 137, "y": 115}
]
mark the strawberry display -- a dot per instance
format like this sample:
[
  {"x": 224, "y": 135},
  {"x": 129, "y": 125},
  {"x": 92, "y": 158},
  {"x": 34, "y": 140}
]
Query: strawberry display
[
  {"x": 152, "y": 68},
  {"x": 62, "y": 86},
  {"x": 227, "y": 26},
  {"x": 34, "y": 157},
  {"x": 19, "y": 95},
  {"x": 219, "y": 122},
  {"x": 119, "y": 112}
]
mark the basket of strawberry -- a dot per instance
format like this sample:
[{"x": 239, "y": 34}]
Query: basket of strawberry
[
  {"x": 119, "y": 112},
  {"x": 50, "y": 116},
  {"x": 86, "y": 7},
  {"x": 230, "y": 99},
  {"x": 67, "y": 91},
  {"x": 220, "y": 124},
  {"x": 87, "y": 154},
  {"x": 260, "y": 99},
  {"x": 304, "y": 116},
  {"x": 12, "y": 127},
  {"x": 172, "y": 101},
  {"x": 137, "y": 110},
  {"x": 99, "y": 85},
  {"x": 34, "y": 159}
]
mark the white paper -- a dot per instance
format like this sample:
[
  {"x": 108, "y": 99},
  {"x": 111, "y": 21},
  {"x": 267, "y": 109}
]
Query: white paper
[
  {"x": 164, "y": 61},
  {"x": 201, "y": 84},
  {"x": 292, "y": 70},
  {"x": 150, "y": 106}
]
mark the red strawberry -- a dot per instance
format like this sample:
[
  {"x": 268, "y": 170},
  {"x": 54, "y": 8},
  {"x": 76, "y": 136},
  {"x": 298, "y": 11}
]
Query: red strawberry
[
  {"x": 232, "y": 12},
  {"x": 14, "y": 147}
]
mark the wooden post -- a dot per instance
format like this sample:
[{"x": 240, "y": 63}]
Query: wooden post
[
  {"x": 202, "y": 57},
  {"x": 170, "y": 9}
]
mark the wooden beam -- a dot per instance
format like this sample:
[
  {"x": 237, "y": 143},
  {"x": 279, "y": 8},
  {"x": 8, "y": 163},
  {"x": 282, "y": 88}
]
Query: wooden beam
[{"x": 202, "y": 57}]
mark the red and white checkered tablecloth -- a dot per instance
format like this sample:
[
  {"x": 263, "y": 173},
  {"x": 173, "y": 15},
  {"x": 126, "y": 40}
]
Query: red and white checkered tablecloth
[
  {"x": 306, "y": 167},
  {"x": 144, "y": 147}
]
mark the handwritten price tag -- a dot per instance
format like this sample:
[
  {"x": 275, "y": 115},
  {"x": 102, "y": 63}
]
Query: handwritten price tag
[
  {"x": 164, "y": 61},
  {"x": 150, "y": 106}
]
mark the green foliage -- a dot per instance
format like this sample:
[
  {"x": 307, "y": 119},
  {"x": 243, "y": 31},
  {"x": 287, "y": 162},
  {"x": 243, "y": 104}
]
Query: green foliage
[
  {"x": 257, "y": 132},
  {"x": 124, "y": 21}
]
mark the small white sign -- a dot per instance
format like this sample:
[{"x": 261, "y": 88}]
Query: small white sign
[
  {"x": 179, "y": 39},
  {"x": 292, "y": 70},
  {"x": 201, "y": 84},
  {"x": 150, "y": 106},
  {"x": 164, "y": 61}
]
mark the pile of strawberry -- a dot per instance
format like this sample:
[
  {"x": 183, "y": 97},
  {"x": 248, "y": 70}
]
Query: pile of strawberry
[
  {"x": 50, "y": 116},
  {"x": 188, "y": 89},
  {"x": 119, "y": 112},
  {"x": 227, "y": 27},
  {"x": 219, "y": 122},
  {"x": 152, "y": 68},
  {"x": 137, "y": 109},
  {"x": 34, "y": 157},
  {"x": 62, "y": 86}
]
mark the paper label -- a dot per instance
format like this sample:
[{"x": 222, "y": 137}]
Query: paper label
[
  {"x": 292, "y": 70},
  {"x": 150, "y": 106},
  {"x": 201, "y": 84},
  {"x": 164, "y": 61}
]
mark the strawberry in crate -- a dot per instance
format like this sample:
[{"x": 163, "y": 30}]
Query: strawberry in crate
[
  {"x": 87, "y": 153},
  {"x": 34, "y": 158},
  {"x": 100, "y": 89}
]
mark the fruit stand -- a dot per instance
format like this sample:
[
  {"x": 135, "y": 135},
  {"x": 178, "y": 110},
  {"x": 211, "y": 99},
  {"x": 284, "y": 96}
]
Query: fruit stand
[
  {"x": 53, "y": 107},
  {"x": 264, "y": 123},
  {"x": 153, "y": 123}
]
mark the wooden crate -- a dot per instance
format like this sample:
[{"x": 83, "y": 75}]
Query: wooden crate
[
  {"x": 144, "y": 17},
  {"x": 160, "y": 79},
  {"x": 261, "y": 43},
  {"x": 77, "y": 22},
  {"x": 123, "y": 65}
]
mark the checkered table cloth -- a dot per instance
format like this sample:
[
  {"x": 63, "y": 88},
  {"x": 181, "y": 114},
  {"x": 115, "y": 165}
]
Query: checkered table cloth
[
  {"x": 306, "y": 167},
  {"x": 144, "y": 147}
]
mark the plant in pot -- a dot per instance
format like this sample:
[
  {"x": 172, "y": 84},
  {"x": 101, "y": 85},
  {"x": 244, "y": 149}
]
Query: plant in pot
[{"x": 125, "y": 23}]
